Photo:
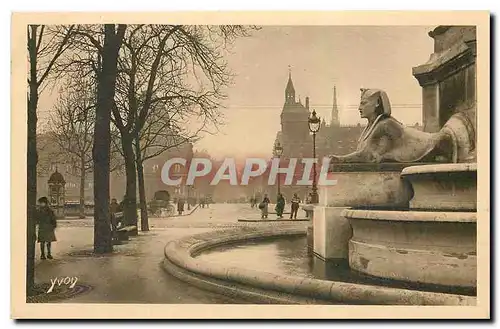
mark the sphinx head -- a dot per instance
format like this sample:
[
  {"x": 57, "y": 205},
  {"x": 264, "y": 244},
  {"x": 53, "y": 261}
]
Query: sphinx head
[{"x": 374, "y": 102}]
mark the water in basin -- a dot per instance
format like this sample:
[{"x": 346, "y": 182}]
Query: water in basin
[{"x": 289, "y": 256}]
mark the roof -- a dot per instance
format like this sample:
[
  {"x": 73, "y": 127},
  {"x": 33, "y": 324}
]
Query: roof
[
  {"x": 289, "y": 86},
  {"x": 57, "y": 178}
]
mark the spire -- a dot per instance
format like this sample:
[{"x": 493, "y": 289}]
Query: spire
[
  {"x": 289, "y": 90},
  {"x": 335, "y": 110}
]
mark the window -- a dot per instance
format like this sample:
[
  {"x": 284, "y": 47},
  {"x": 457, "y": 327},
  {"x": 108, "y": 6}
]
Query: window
[{"x": 155, "y": 168}]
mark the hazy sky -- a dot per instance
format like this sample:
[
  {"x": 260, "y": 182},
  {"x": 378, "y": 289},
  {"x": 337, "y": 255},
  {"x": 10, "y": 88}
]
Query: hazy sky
[{"x": 320, "y": 57}]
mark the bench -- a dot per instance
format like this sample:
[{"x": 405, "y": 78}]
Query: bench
[{"x": 124, "y": 232}]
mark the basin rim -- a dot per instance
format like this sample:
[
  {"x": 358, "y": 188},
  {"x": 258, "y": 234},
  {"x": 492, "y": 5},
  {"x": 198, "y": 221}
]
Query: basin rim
[{"x": 411, "y": 216}]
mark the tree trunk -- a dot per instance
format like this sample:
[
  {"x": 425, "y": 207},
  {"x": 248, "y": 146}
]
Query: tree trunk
[
  {"x": 82, "y": 187},
  {"x": 130, "y": 202},
  {"x": 32, "y": 160},
  {"x": 102, "y": 137},
  {"x": 142, "y": 190}
]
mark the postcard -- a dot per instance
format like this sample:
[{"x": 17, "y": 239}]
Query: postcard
[{"x": 250, "y": 165}]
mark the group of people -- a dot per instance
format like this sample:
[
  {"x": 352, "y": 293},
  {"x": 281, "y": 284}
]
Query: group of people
[
  {"x": 280, "y": 206},
  {"x": 204, "y": 202},
  {"x": 46, "y": 221},
  {"x": 181, "y": 202}
]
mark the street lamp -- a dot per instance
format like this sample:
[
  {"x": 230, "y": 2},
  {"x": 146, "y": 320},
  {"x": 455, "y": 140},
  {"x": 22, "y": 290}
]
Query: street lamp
[
  {"x": 278, "y": 150},
  {"x": 314, "y": 125}
]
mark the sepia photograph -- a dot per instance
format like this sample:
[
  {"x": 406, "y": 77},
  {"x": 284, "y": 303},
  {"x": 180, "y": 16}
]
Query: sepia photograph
[{"x": 309, "y": 165}]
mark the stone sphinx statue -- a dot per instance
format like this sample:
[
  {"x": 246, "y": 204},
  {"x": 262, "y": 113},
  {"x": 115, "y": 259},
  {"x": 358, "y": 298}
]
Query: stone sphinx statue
[{"x": 387, "y": 140}]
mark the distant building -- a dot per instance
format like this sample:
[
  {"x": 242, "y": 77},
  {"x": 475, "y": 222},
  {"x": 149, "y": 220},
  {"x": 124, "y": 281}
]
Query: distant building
[
  {"x": 153, "y": 168},
  {"x": 295, "y": 137}
]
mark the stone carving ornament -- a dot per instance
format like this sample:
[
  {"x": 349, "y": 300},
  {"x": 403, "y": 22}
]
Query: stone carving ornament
[{"x": 385, "y": 139}]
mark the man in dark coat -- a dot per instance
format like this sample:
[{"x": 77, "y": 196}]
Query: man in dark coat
[
  {"x": 46, "y": 221},
  {"x": 114, "y": 208},
  {"x": 180, "y": 206},
  {"x": 280, "y": 205},
  {"x": 295, "y": 206}
]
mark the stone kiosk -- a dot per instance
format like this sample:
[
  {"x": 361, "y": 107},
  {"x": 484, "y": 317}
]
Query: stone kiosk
[
  {"x": 57, "y": 193},
  {"x": 404, "y": 206}
]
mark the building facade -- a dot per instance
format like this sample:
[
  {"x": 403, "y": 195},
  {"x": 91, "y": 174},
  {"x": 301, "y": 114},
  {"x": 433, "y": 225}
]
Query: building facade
[
  {"x": 295, "y": 137},
  {"x": 297, "y": 140}
]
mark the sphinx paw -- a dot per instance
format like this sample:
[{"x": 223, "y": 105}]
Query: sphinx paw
[{"x": 335, "y": 158}]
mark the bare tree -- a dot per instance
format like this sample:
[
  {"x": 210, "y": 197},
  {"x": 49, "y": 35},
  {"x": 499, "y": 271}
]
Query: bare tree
[
  {"x": 72, "y": 123},
  {"x": 162, "y": 65},
  {"x": 106, "y": 82},
  {"x": 44, "y": 49},
  {"x": 142, "y": 64},
  {"x": 95, "y": 52},
  {"x": 163, "y": 131},
  {"x": 157, "y": 64}
]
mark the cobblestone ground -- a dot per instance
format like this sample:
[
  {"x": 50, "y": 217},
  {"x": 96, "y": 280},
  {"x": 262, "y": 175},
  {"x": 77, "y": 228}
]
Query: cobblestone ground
[{"x": 132, "y": 274}]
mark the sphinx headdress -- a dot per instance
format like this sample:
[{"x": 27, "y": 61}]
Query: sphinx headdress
[{"x": 377, "y": 95}]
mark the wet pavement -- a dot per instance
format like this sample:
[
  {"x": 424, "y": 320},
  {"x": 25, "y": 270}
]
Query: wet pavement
[{"x": 132, "y": 273}]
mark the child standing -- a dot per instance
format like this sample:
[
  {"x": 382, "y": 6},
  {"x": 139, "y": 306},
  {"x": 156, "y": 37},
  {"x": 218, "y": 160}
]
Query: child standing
[{"x": 46, "y": 221}]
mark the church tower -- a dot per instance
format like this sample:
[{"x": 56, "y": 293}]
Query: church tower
[
  {"x": 294, "y": 135},
  {"x": 289, "y": 90},
  {"x": 335, "y": 122}
]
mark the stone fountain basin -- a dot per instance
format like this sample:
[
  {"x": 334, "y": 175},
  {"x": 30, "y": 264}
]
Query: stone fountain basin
[
  {"x": 450, "y": 186},
  {"x": 426, "y": 247},
  {"x": 235, "y": 281}
]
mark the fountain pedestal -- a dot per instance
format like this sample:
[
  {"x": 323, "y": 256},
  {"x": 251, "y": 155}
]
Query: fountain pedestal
[
  {"x": 331, "y": 233},
  {"x": 424, "y": 247},
  {"x": 435, "y": 246},
  {"x": 443, "y": 187},
  {"x": 358, "y": 185}
]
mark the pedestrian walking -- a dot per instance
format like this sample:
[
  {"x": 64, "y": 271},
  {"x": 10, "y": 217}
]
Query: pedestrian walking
[
  {"x": 309, "y": 198},
  {"x": 295, "y": 206},
  {"x": 46, "y": 221},
  {"x": 280, "y": 205},
  {"x": 114, "y": 208},
  {"x": 180, "y": 206},
  {"x": 263, "y": 206}
]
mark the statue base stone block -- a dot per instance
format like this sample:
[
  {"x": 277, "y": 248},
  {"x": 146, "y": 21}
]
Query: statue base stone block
[
  {"x": 331, "y": 233},
  {"x": 358, "y": 186}
]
